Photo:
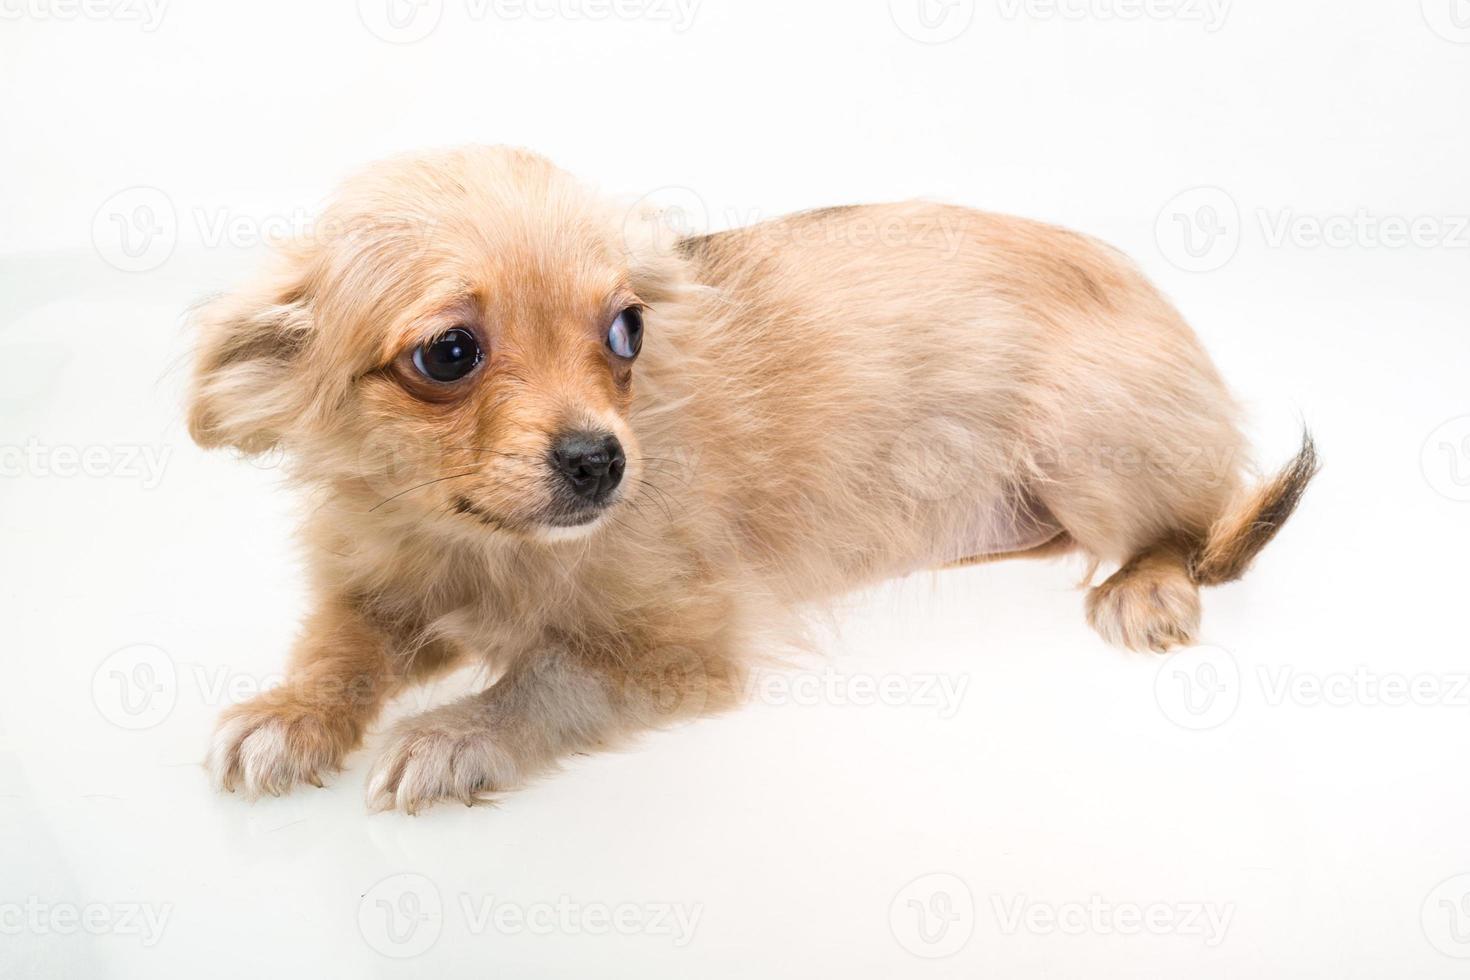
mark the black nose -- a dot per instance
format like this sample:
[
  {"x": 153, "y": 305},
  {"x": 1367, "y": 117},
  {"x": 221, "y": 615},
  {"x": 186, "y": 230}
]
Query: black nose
[{"x": 591, "y": 463}]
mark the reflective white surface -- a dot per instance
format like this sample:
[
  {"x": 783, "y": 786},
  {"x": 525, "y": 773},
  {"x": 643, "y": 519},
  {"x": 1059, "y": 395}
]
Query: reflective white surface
[{"x": 971, "y": 785}]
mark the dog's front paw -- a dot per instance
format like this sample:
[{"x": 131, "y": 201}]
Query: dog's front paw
[
  {"x": 271, "y": 743},
  {"x": 446, "y": 754}
]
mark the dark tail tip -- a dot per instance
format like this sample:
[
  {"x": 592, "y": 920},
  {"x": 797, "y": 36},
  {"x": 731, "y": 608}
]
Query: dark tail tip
[{"x": 1240, "y": 534}]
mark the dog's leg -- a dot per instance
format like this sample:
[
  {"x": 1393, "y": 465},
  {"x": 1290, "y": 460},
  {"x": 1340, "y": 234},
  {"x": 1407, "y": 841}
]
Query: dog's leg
[
  {"x": 1062, "y": 544},
  {"x": 1151, "y": 603},
  {"x": 341, "y": 672},
  {"x": 549, "y": 704}
]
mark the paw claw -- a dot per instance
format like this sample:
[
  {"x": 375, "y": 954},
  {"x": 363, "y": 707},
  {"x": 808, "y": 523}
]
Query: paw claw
[
  {"x": 266, "y": 746},
  {"x": 437, "y": 757}
]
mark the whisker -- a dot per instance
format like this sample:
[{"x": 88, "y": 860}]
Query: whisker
[
  {"x": 455, "y": 476},
  {"x": 661, "y": 497}
]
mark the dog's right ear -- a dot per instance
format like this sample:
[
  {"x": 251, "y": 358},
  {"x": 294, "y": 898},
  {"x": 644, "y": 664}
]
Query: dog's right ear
[{"x": 247, "y": 387}]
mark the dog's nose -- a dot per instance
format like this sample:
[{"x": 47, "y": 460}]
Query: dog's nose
[{"x": 591, "y": 463}]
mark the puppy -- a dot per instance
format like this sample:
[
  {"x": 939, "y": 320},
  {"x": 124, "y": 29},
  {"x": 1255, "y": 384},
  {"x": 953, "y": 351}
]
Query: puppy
[{"x": 609, "y": 465}]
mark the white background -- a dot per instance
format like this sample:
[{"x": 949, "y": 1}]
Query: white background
[{"x": 1321, "y": 819}]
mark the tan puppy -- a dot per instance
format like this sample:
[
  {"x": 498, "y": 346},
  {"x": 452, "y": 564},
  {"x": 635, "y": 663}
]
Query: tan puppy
[{"x": 609, "y": 466}]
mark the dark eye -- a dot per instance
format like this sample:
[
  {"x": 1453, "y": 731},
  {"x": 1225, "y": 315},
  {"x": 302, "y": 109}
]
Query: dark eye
[
  {"x": 449, "y": 356},
  {"x": 625, "y": 336}
]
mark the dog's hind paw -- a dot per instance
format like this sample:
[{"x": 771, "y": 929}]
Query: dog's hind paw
[{"x": 1148, "y": 604}]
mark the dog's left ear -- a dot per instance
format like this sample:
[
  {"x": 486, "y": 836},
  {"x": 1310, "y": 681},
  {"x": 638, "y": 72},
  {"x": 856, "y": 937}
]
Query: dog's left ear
[
  {"x": 656, "y": 252},
  {"x": 247, "y": 389}
]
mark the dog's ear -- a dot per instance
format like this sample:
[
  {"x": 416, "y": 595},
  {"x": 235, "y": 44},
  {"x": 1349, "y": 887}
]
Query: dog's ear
[
  {"x": 656, "y": 246},
  {"x": 247, "y": 387}
]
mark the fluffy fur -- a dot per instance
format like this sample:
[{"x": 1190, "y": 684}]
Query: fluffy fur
[{"x": 822, "y": 402}]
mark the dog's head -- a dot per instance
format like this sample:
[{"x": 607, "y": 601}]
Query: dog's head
[{"x": 457, "y": 339}]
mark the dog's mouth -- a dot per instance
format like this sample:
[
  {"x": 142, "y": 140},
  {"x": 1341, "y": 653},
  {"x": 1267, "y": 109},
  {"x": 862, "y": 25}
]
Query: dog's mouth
[
  {"x": 564, "y": 517},
  {"x": 581, "y": 519},
  {"x": 467, "y": 507},
  {"x": 571, "y": 514}
]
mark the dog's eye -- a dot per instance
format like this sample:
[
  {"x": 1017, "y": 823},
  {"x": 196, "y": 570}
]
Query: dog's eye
[
  {"x": 625, "y": 336},
  {"x": 448, "y": 357}
]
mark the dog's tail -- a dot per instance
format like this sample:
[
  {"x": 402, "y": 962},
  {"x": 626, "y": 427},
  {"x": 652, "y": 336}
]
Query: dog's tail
[{"x": 1246, "y": 526}]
